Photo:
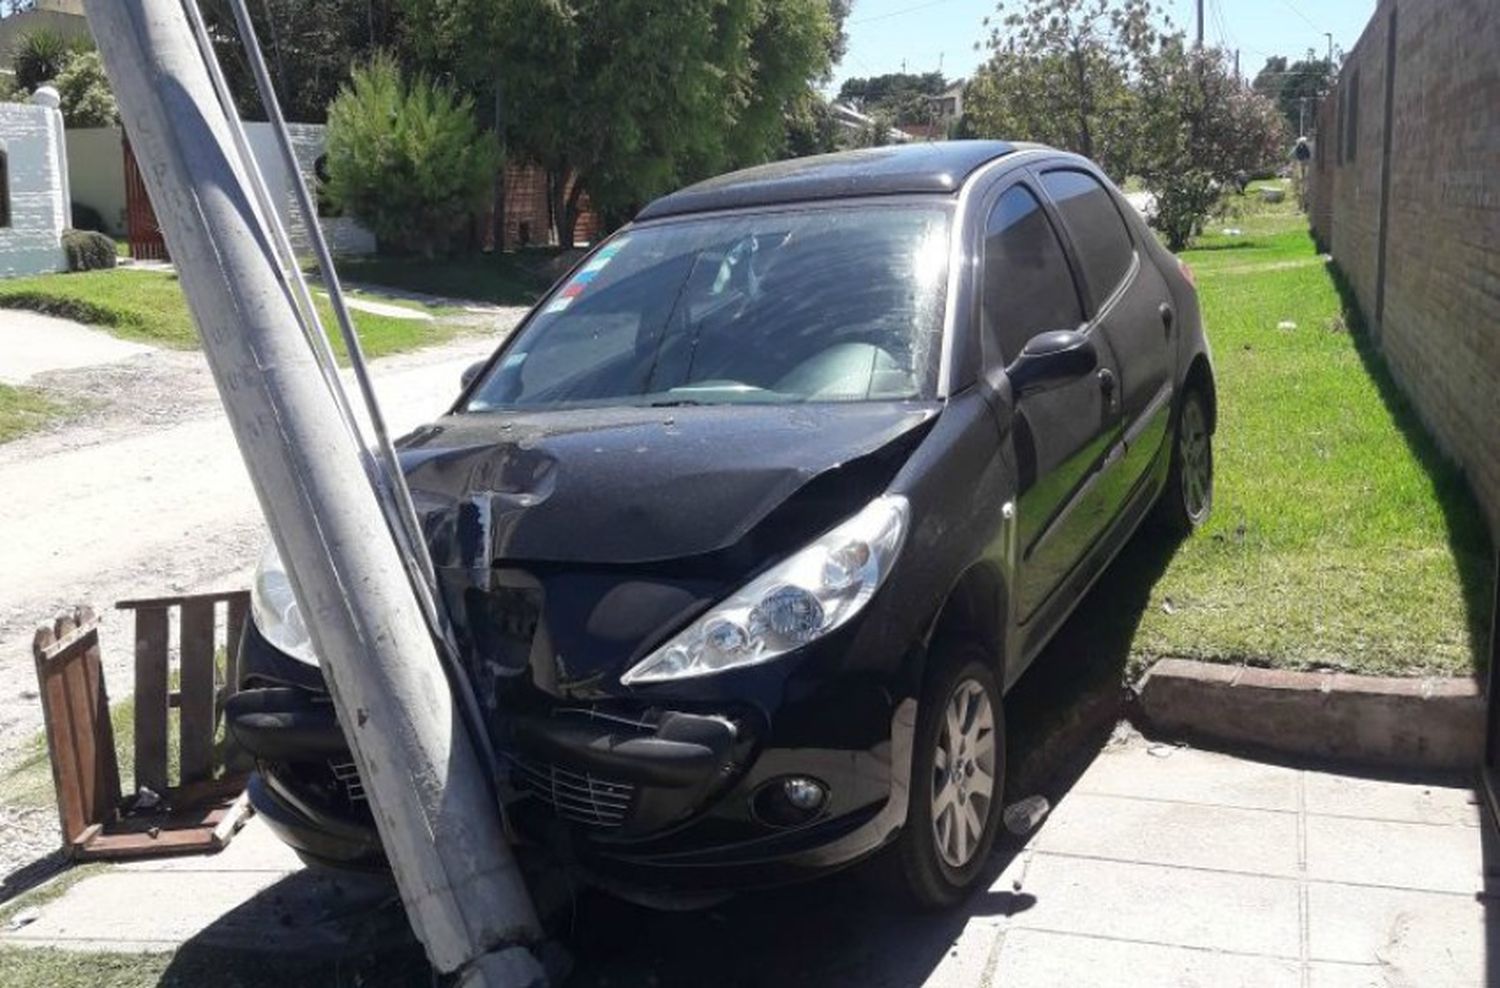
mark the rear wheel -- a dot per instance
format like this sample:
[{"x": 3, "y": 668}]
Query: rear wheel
[
  {"x": 1189, "y": 495},
  {"x": 958, "y": 778}
]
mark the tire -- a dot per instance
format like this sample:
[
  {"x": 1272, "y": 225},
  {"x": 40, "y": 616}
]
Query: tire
[
  {"x": 940, "y": 865},
  {"x": 1188, "y": 497}
]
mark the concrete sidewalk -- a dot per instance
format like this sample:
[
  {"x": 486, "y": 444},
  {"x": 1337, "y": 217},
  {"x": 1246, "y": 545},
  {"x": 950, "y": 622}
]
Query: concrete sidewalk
[{"x": 1160, "y": 866}]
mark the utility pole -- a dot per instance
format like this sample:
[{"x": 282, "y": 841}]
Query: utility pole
[
  {"x": 1199, "y": 42},
  {"x": 432, "y": 804},
  {"x": 1302, "y": 117},
  {"x": 1236, "y": 65},
  {"x": 1329, "y": 36}
]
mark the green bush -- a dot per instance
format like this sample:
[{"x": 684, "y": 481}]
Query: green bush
[
  {"x": 407, "y": 159},
  {"x": 88, "y": 250},
  {"x": 38, "y": 56},
  {"x": 84, "y": 94}
]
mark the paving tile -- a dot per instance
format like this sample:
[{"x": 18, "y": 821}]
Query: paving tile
[
  {"x": 1038, "y": 959},
  {"x": 1327, "y": 974},
  {"x": 1190, "y": 775},
  {"x": 1247, "y": 914},
  {"x": 1345, "y": 795},
  {"x": 964, "y": 963},
  {"x": 1404, "y": 855},
  {"x": 1420, "y": 938},
  {"x": 1259, "y": 842}
]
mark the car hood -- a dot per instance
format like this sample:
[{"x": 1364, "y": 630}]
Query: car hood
[{"x": 642, "y": 485}]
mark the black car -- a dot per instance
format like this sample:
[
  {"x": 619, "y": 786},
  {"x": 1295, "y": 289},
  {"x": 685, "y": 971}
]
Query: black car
[{"x": 751, "y": 525}]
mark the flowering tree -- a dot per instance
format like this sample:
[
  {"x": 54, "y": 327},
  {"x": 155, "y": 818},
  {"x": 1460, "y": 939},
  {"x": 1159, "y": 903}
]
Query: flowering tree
[{"x": 1199, "y": 127}]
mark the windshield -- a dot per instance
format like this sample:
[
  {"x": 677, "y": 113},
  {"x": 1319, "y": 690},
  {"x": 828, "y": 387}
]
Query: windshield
[{"x": 829, "y": 304}]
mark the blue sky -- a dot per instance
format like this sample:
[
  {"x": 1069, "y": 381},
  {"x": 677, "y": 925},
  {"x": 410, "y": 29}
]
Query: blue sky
[{"x": 925, "y": 33}]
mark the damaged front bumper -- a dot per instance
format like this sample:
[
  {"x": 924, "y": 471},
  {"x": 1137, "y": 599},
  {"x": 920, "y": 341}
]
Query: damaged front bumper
[{"x": 633, "y": 798}]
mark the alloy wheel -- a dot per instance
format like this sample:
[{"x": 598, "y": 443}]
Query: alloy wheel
[
  {"x": 1196, "y": 458},
  {"x": 963, "y": 773}
]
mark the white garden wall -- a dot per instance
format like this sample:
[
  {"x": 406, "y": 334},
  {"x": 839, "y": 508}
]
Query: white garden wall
[
  {"x": 36, "y": 180},
  {"x": 96, "y": 165}
]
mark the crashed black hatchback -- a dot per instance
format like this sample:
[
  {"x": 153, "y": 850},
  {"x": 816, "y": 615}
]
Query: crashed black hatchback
[{"x": 754, "y": 521}]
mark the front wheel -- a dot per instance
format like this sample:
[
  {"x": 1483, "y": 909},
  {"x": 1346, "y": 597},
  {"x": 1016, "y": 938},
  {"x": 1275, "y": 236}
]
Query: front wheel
[
  {"x": 1189, "y": 495},
  {"x": 958, "y": 780}
]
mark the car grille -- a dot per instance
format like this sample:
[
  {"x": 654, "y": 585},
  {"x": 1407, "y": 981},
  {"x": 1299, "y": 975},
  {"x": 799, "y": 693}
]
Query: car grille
[{"x": 576, "y": 797}]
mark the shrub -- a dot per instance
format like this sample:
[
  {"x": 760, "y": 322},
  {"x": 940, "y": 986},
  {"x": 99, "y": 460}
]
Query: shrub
[
  {"x": 86, "y": 217},
  {"x": 88, "y": 250},
  {"x": 407, "y": 158},
  {"x": 39, "y": 55},
  {"x": 84, "y": 94}
]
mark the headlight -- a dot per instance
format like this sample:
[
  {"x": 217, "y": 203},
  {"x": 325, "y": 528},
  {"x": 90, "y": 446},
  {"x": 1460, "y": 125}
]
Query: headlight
[
  {"x": 797, "y": 601},
  {"x": 274, "y": 608}
]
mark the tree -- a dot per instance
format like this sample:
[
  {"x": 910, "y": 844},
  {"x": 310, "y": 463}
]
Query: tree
[
  {"x": 1288, "y": 86},
  {"x": 39, "y": 55},
  {"x": 626, "y": 99},
  {"x": 906, "y": 98},
  {"x": 309, "y": 47},
  {"x": 85, "y": 96},
  {"x": 1199, "y": 128},
  {"x": 406, "y": 157},
  {"x": 1061, "y": 72}
]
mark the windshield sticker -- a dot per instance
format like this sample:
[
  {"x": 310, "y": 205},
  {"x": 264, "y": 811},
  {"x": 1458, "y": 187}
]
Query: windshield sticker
[{"x": 586, "y": 274}]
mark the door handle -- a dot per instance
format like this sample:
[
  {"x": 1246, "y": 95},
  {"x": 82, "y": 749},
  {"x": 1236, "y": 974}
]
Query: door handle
[{"x": 1167, "y": 317}]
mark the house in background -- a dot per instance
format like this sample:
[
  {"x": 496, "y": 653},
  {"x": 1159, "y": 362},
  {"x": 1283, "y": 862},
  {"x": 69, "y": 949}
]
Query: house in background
[
  {"x": 33, "y": 186},
  {"x": 64, "y": 17}
]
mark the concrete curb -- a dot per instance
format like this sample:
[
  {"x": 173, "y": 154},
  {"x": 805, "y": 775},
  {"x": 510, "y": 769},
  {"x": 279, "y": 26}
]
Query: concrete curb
[{"x": 1399, "y": 723}]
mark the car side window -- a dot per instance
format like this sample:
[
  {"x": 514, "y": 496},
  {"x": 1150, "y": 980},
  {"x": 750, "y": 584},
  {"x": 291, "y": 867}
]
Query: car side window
[
  {"x": 1028, "y": 287},
  {"x": 1093, "y": 220}
]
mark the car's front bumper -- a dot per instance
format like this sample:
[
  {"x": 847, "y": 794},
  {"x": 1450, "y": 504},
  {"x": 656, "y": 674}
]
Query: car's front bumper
[{"x": 645, "y": 798}]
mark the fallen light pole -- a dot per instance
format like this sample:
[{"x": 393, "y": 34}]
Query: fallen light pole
[{"x": 432, "y": 803}]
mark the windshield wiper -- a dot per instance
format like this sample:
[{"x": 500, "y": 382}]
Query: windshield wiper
[{"x": 674, "y": 403}]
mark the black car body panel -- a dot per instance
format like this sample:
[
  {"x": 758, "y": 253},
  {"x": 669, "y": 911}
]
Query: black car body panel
[{"x": 573, "y": 543}]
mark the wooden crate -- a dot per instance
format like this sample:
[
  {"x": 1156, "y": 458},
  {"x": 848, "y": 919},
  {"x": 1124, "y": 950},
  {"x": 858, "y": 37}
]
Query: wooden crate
[{"x": 199, "y": 811}]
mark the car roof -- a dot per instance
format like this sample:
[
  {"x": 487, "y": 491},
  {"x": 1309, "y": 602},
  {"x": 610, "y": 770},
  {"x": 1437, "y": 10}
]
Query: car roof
[{"x": 937, "y": 167}]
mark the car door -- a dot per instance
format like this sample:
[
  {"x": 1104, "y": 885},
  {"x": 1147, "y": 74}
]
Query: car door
[
  {"x": 1130, "y": 302},
  {"x": 1061, "y": 434}
]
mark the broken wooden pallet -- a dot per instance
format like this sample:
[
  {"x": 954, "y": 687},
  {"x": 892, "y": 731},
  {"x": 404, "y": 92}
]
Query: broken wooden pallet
[{"x": 204, "y": 808}]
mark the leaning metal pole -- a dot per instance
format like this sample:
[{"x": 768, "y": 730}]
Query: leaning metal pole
[{"x": 440, "y": 828}]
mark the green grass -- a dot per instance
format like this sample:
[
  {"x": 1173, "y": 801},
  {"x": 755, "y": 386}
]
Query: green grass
[
  {"x": 1341, "y": 537},
  {"x": 23, "y": 410},
  {"x": 518, "y": 278},
  {"x": 149, "y": 306}
]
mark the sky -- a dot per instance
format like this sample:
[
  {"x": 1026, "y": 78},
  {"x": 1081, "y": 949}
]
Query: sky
[{"x": 928, "y": 34}]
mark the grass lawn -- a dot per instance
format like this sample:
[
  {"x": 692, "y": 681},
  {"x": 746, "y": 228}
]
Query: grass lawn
[
  {"x": 517, "y": 278},
  {"x": 149, "y": 306},
  {"x": 1341, "y": 538},
  {"x": 24, "y": 409}
]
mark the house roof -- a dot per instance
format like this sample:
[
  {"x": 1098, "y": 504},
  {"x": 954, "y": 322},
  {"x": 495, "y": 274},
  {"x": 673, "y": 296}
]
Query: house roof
[{"x": 937, "y": 167}]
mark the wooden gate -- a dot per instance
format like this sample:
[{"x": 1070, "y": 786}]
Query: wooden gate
[{"x": 146, "y": 242}]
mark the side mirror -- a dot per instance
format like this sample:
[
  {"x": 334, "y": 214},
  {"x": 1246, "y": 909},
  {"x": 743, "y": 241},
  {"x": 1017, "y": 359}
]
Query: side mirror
[
  {"x": 1051, "y": 359},
  {"x": 470, "y": 372}
]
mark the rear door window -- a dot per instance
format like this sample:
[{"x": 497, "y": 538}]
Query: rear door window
[
  {"x": 1028, "y": 287},
  {"x": 1093, "y": 221}
]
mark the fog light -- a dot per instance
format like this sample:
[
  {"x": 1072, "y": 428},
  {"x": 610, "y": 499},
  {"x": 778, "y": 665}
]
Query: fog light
[
  {"x": 790, "y": 800},
  {"x": 803, "y": 793}
]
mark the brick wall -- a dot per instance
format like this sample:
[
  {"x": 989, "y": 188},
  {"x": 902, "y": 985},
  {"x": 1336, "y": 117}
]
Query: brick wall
[{"x": 1411, "y": 212}]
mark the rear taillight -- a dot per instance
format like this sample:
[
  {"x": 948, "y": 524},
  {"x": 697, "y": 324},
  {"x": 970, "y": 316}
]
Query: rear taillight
[{"x": 1187, "y": 272}]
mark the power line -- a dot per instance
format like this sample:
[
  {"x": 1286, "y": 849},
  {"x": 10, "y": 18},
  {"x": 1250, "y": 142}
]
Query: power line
[
  {"x": 1294, "y": 9},
  {"x": 897, "y": 13}
]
